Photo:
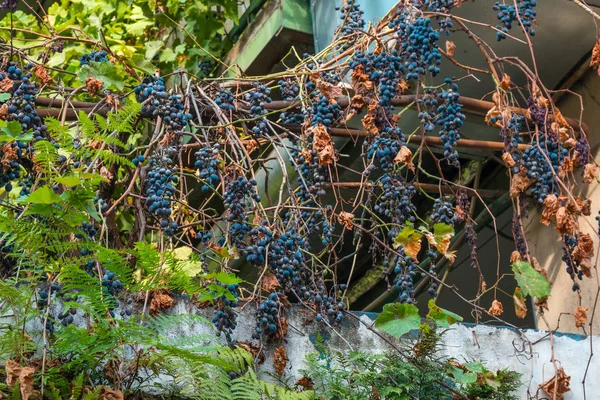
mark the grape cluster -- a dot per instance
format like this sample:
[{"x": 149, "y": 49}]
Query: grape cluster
[
  {"x": 225, "y": 316},
  {"x": 88, "y": 230},
  {"x": 286, "y": 259},
  {"x": 173, "y": 113},
  {"x": 208, "y": 164},
  {"x": 257, "y": 99},
  {"x": 151, "y": 93},
  {"x": 433, "y": 285},
  {"x": 66, "y": 318},
  {"x": 395, "y": 202},
  {"x": 511, "y": 135},
  {"x": 573, "y": 266},
  {"x": 111, "y": 283},
  {"x": 472, "y": 240},
  {"x": 535, "y": 158},
  {"x": 419, "y": 44},
  {"x": 224, "y": 99},
  {"x": 352, "y": 20},
  {"x": 137, "y": 161},
  {"x": 267, "y": 316},
  {"x": 94, "y": 56},
  {"x": 441, "y": 6},
  {"x": 322, "y": 111},
  {"x": 290, "y": 90},
  {"x": 405, "y": 269},
  {"x": 327, "y": 306},
  {"x": 450, "y": 119},
  {"x": 443, "y": 213},
  {"x": 385, "y": 70},
  {"x": 236, "y": 196},
  {"x": 507, "y": 14},
  {"x": 21, "y": 106},
  {"x": 385, "y": 147},
  {"x": 260, "y": 238},
  {"x": 160, "y": 187}
]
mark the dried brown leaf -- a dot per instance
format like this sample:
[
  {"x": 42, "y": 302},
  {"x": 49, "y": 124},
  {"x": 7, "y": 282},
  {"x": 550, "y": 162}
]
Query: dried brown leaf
[
  {"x": 403, "y": 86},
  {"x": 590, "y": 173},
  {"x": 557, "y": 385},
  {"x": 358, "y": 102},
  {"x": 283, "y": 327},
  {"x": 586, "y": 267},
  {"x": 42, "y": 74},
  {"x": 505, "y": 83},
  {"x": 330, "y": 91},
  {"x": 404, "y": 156},
  {"x": 565, "y": 223},
  {"x": 280, "y": 360},
  {"x": 538, "y": 267},
  {"x": 26, "y": 382},
  {"x": 565, "y": 167},
  {"x": 13, "y": 370},
  {"x": 560, "y": 119},
  {"x": 496, "y": 309},
  {"x": 595, "y": 61},
  {"x": 519, "y": 183},
  {"x": 515, "y": 256},
  {"x": 160, "y": 301},
  {"x": 327, "y": 155},
  {"x": 9, "y": 154},
  {"x": 254, "y": 349},
  {"x": 520, "y": 305},
  {"x": 508, "y": 160},
  {"x": 251, "y": 145},
  {"x": 305, "y": 382},
  {"x": 270, "y": 282},
  {"x": 110, "y": 394},
  {"x": 4, "y": 112},
  {"x": 5, "y": 85},
  {"x": 369, "y": 123},
  {"x": 93, "y": 85},
  {"x": 321, "y": 137},
  {"x": 580, "y": 316},
  {"x": 585, "y": 247},
  {"x": 346, "y": 219},
  {"x": 306, "y": 154},
  {"x": 450, "y": 48},
  {"x": 551, "y": 206}
]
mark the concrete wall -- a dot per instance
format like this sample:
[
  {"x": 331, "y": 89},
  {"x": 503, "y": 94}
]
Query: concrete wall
[
  {"x": 496, "y": 347},
  {"x": 545, "y": 243}
]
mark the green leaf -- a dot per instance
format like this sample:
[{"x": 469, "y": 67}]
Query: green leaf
[
  {"x": 43, "y": 195},
  {"x": 141, "y": 63},
  {"x": 104, "y": 71},
  {"x": 531, "y": 282},
  {"x": 476, "y": 367},
  {"x": 461, "y": 376},
  {"x": 13, "y": 128},
  {"x": 167, "y": 55},
  {"x": 69, "y": 180},
  {"x": 182, "y": 253},
  {"x": 442, "y": 318},
  {"x": 398, "y": 319},
  {"x": 227, "y": 279},
  {"x": 152, "y": 47},
  {"x": 410, "y": 240},
  {"x": 4, "y": 96}
]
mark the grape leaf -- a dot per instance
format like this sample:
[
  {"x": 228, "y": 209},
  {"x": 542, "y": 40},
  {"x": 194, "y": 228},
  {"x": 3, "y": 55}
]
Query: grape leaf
[
  {"x": 531, "y": 282},
  {"x": 410, "y": 240},
  {"x": 461, "y": 376},
  {"x": 69, "y": 180},
  {"x": 442, "y": 318},
  {"x": 227, "y": 279},
  {"x": 397, "y": 319},
  {"x": 43, "y": 195},
  {"x": 4, "y": 96}
]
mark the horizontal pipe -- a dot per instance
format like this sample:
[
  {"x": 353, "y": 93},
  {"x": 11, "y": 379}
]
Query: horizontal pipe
[{"x": 428, "y": 187}]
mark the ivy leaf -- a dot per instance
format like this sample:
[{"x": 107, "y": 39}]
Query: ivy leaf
[
  {"x": 398, "y": 319},
  {"x": 531, "y": 282},
  {"x": 410, "y": 240},
  {"x": 43, "y": 195},
  {"x": 227, "y": 279},
  {"x": 442, "y": 318}
]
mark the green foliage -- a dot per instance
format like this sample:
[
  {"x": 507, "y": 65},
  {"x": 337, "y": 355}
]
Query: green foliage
[
  {"x": 142, "y": 34},
  {"x": 398, "y": 319},
  {"x": 531, "y": 282}
]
